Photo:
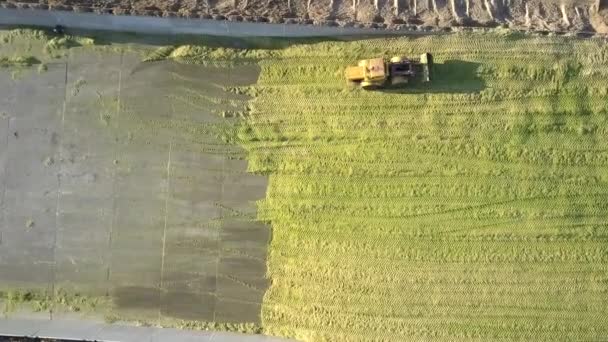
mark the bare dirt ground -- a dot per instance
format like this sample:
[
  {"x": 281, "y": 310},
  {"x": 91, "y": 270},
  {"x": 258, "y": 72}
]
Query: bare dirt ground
[{"x": 543, "y": 15}]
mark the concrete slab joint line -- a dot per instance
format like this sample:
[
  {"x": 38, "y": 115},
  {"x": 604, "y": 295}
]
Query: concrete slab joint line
[
  {"x": 60, "y": 172},
  {"x": 114, "y": 183},
  {"x": 92, "y": 21},
  {"x": 164, "y": 238}
]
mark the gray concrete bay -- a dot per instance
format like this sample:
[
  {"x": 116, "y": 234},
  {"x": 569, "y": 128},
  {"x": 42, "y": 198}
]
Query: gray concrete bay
[{"x": 115, "y": 183}]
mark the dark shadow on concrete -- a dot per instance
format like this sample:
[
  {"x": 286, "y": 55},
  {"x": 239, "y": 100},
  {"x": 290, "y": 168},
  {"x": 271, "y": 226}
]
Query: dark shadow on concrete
[
  {"x": 213, "y": 264},
  {"x": 189, "y": 306},
  {"x": 136, "y": 297}
]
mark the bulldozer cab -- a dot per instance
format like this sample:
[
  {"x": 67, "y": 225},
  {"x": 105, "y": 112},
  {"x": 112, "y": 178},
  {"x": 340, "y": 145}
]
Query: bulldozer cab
[
  {"x": 375, "y": 69},
  {"x": 367, "y": 70}
]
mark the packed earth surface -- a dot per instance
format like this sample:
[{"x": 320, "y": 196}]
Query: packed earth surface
[
  {"x": 538, "y": 15},
  {"x": 191, "y": 184}
]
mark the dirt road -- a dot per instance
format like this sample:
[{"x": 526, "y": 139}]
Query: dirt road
[
  {"x": 545, "y": 15},
  {"x": 172, "y": 26}
]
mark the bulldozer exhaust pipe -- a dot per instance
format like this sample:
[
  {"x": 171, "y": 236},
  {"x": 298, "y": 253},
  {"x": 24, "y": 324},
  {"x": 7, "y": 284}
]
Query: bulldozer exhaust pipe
[{"x": 426, "y": 59}]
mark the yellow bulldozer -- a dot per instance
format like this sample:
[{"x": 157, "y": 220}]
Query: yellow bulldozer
[{"x": 398, "y": 71}]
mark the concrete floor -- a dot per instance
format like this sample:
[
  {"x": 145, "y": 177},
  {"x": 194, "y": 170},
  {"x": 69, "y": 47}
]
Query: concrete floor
[
  {"x": 92, "y": 331},
  {"x": 114, "y": 183}
]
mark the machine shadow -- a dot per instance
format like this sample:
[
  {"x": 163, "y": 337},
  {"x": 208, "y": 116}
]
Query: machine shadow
[{"x": 451, "y": 76}]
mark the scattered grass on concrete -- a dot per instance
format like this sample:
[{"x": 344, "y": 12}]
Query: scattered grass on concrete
[
  {"x": 245, "y": 328},
  {"x": 58, "y": 46},
  {"x": 69, "y": 301},
  {"x": 29, "y": 223},
  {"x": 19, "y": 61},
  {"x": 38, "y": 300},
  {"x": 36, "y": 46}
]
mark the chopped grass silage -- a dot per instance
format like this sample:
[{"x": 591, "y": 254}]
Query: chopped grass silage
[{"x": 473, "y": 208}]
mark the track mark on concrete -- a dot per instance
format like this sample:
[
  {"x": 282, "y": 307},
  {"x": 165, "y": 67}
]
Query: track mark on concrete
[
  {"x": 219, "y": 236},
  {"x": 59, "y": 174},
  {"x": 5, "y": 169},
  {"x": 114, "y": 172},
  {"x": 166, "y": 216}
]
